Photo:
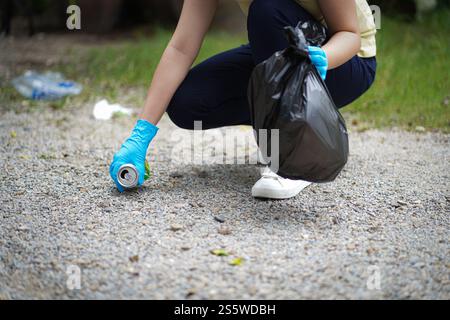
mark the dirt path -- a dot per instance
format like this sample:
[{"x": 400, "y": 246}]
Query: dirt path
[{"x": 384, "y": 221}]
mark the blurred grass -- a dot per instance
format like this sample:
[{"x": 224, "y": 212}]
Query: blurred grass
[
  {"x": 111, "y": 69},
  {"x": 412, "y": 88}
]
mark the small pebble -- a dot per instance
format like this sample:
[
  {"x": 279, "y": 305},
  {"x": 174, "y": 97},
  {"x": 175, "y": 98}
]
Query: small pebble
[
  {"x": 220, "y": 218},
  {"x": 176, "y": 174},
  {"x": 134, "y": 258},
  {"x": 176, "y": 227},
  {"x": 224, "y": 231}
]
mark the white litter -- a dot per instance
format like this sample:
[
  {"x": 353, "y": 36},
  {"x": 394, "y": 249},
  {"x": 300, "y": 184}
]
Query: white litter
[{"x": 103, "y": 110}]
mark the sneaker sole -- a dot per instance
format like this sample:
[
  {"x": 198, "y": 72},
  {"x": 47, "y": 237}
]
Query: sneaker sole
[{"x": 277, "y": 194}]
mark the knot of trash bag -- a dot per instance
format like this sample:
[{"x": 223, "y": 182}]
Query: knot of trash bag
[{"x": 305, "y": 34}]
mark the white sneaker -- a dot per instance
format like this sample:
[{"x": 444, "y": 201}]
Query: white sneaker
[{"x": 272, "y": 186}]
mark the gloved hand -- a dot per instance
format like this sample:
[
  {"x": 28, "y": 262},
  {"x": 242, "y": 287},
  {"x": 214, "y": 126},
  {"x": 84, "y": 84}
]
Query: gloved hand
[
  {"x": 134, "y": 150},
  {"x": 319, "y": 59}
]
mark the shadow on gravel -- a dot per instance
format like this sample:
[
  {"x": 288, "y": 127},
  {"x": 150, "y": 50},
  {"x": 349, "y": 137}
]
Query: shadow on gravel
[
  {"x": 223, "y": 178},
  {"x": 227, "y": 189}
]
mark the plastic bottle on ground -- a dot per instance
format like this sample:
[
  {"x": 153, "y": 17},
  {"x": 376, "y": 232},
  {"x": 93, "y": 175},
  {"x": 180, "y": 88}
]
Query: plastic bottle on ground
[{"x": 46, "y": 86}]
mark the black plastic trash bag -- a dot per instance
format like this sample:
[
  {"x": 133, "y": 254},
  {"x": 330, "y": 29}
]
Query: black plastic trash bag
[{"x": 287, "y": 93}]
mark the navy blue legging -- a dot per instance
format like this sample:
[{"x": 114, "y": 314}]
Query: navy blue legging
[{"x": 215, "y": 91}]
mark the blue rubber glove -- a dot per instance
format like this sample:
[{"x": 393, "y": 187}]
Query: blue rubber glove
[
  {"x": 134, "y": 150},
  {"x": 319, "y": 59}
]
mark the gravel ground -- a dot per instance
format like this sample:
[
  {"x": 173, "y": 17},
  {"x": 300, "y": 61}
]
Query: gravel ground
[{"x": 384, "y": 221}]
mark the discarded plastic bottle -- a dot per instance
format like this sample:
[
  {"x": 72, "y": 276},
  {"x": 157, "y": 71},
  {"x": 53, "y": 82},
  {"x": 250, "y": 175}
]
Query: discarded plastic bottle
[{"x": 47, "y": 86}]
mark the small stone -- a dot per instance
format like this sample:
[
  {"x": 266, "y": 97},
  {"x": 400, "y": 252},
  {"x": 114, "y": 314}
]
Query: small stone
[
  {"x": 203, "y": 174},
  {"x": 185, "y": 248},
  {"x": 102, "y": 204},
  {"x": 402, "y": 203},
  {"x": 134, "y": 258},
  {"x": 396, "y": 204},
  {"x": 351, "y": 246},
  {"x": 176, "y": 227},
  {"x": 54, "y": 264},
  {"x": 178, "y": 205},
  {"x": 220, "y": 218},
  {"x": 176, "y": 174},
  {"x": 419, "y": 265},
  {"x": 190, "y": 293},
  {"x": 23, "y": 228},
  {"x": 224, "y": 231},
  {"x": 133, "y": 272}
]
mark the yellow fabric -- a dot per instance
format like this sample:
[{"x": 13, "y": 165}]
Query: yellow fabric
[{"x": 366, "y": 21}]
